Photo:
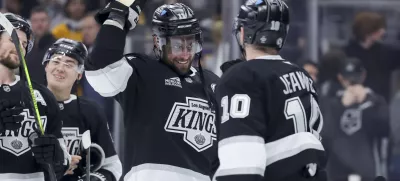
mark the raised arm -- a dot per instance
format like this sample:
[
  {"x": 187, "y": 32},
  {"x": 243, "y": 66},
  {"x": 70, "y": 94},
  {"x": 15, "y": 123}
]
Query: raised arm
[{"x": 108, "y": 71}]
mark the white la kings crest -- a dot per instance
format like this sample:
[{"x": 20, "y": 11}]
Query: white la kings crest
[
  {"x": 16, "y": 142},
  {"x": 195, "y": 120},
  {"x": 73, "y": 139}
]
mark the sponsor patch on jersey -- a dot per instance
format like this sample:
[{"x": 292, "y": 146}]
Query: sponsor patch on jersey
[
  {"x": 175, "y": 81},
  {"x": 72, "y": 139},
  {"x": 16, "y": 142},
  {"x": 195, "y": 120}
]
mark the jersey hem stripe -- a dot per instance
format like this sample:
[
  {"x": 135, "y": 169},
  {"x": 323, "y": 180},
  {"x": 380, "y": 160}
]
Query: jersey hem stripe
[
  {"x": 152, "y": 171},
  {"x": 38, "y": 176}
]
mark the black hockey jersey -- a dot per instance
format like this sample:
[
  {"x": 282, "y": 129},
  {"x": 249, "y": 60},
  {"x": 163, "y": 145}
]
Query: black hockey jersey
[
  {"x": 16, "y": 160},
  {"x": 170, "y": 128},
  {"x": 270, "y": 122},
  {"x": 78, "y": 116}
]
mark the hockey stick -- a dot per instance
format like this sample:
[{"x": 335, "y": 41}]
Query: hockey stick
[
  {"x": 13, "y": 34},
  {"x": 86, "y": 142}
]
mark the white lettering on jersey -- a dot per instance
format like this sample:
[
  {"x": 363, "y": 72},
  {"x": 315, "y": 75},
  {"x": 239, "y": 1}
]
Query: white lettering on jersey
[
  {"x": 195, "y": 120},
  {"x": 72, "y": 139},
  {"x": 39, "y": 98},
  {"x": 16, "y": 142},
  {"x": 296, "y": 81},
  {"x": 175, "y": 81}
]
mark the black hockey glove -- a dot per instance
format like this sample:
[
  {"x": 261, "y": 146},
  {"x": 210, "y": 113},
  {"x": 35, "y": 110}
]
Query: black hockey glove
[
  {"x": 96, "y": 176},
  {"x": 10, "y": 118},
  {"x": 47, "y": 150},
  {"x": 123, "y": 11}
]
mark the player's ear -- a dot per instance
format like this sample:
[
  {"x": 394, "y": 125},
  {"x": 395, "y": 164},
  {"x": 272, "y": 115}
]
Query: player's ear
[
  {"x": 79, "y": 77},
  {"x": 155, "y": 42}
]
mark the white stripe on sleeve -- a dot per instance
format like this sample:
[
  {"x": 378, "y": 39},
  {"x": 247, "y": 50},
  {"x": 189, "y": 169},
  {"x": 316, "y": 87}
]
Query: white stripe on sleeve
[{"x": 110, "y": 80}]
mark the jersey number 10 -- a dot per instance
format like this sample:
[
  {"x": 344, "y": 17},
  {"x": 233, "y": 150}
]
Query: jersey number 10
[{"x": 294, "y": 110}]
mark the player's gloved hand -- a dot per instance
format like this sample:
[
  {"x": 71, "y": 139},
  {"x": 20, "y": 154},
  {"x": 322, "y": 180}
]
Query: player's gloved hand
[
  {"x": 46, "y": 149},
  {"x": 10, "y": 118},
  {"x": 95, "y": 176},
  {"x": 123, "y": 11}
]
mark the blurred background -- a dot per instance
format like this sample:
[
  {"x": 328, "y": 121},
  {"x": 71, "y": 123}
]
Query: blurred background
[{"x": 362, "y": 140}]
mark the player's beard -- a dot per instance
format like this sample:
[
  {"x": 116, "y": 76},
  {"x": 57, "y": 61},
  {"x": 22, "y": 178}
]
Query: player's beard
[
  {"x": 183, "y": 68},
  {"x": 11, "y": 61}
]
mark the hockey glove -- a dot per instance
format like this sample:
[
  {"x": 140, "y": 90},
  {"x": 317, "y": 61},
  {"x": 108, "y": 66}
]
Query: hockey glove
[
  {"x": 10, "y": 118},
  {"x": 96, "y": 176},
  {"x": 47, "y": 150},
  {"x": 123, "y": 11}
]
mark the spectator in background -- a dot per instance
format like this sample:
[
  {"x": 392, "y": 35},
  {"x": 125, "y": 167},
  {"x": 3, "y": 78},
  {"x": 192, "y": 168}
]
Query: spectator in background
[
  {"x": 380, "y": 60},
  {"x": 40, "y": 21},
  {"x": 89, "y": 28},
  {"x": 356, "y": 127},
  {"x": 395, "y": 130},
  {"x": 312, "y": 69},
  {"x": 328, "y": 71},
  {"x": 13, "y": 6},
  {"x": 70, "y": 27}
]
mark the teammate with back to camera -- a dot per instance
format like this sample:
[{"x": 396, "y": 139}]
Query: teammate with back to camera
[
  {"x": 170, "y": 125},
  {"x": 270, "y": 117},
  {"x": 22, "y": 155},
  {"x": 64, "y": 65}
]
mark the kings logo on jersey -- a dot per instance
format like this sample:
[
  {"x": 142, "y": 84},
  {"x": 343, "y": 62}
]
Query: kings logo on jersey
[
  {"x": 16, "y": 142},
  {"x": 195, "y": 120},
  {"x": 72, "y": 139}
]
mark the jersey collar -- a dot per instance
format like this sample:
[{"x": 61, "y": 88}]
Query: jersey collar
[
  {"x": 17, "y": 79},
  {"x": 270, "y": 57},
  {"x": 71, "y": 98}
]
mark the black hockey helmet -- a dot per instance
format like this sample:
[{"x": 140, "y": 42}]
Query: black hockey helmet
[
  {"x": 70, "y": 48},
  {"x": 265, "y": 23},
  {"x": 20, "y": 23},
  {"x": 175, "y": 20}
]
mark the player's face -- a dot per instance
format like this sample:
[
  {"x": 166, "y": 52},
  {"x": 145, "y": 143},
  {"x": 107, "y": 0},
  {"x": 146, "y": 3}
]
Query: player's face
[
  {"x": 181, "y": 51},
  {"x": 62, "y": 71},
  {"x": 8, "y": 52},
  {"x": 312, "y": 70}
]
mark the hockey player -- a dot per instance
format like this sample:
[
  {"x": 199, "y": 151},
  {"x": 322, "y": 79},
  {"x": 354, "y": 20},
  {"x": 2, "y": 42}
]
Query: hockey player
[
  {"x": 64, "y": 67},
  {"x": 270, "y": 118},
  {"x": 24, "y": 153},
  {"x": 169, "y": 124}
]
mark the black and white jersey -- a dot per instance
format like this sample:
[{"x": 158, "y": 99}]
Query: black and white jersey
[
  {"x": 80, "y": 115},
  {"x": 270, "y": 122},
  {"x": 16, "y": 160},
  {"x": 170, "y": 128}
]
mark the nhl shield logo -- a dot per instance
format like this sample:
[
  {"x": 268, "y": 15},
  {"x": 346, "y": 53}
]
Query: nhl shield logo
[
  {"x": 16, "y": 142},
  {"x": 195, "y": 120}
]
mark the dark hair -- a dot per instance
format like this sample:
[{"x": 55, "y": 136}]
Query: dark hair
[
  {"x": 366, "y": 23},
  {"x": 39, "y": 9},
  {"x": 308, "y": 62}
]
